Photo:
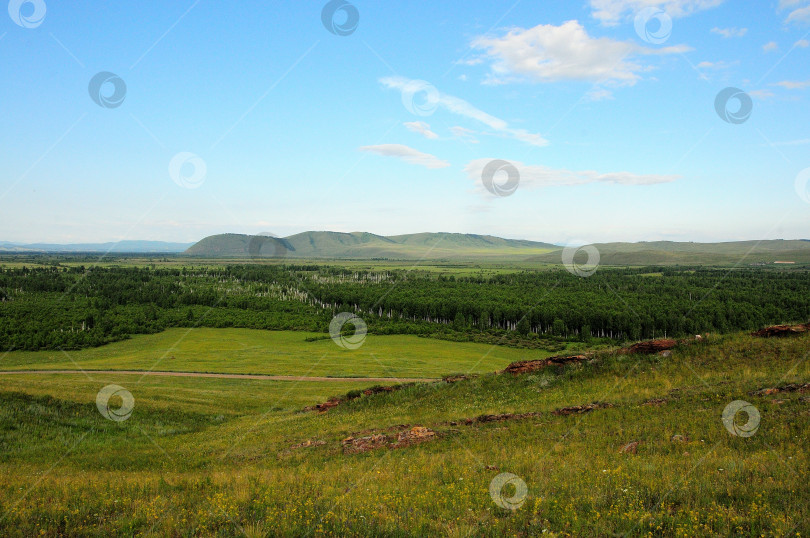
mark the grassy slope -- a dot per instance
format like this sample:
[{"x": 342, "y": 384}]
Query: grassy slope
[
  {"x": 251, "y": 351},
  {"x": 221, "y": 460},
  {"x": 361, "y": 245},
  {"x": 670, "y": 253}
]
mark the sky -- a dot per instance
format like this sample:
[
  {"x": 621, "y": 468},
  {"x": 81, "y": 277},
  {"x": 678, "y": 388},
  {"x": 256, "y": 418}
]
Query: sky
[{"x": 585, "y": 121}]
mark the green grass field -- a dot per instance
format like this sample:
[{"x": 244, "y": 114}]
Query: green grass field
[
  {"x": 214, "y": 457},
  {"x": 278, "y": 353}
]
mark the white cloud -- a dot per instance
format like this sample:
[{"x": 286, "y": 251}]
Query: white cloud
[
  {"x": 599, "y": 94},
  {"x": 793, "y": 84},
  {"x": 802, "y": 43},
  {"x": 730, "y": 32},
  {"x": 422, "y": 128},
  {"x": 770, "y": 47},
  {"x": 716, "y": 65},
  {"x": 548, "y": 53},
  {"x": 800, "y": 142},
  {"x": 463, "y": 132},
  {"x": 536, "y": 176},
  {"x": 407, "y": 154},
  {"x": 799, "y": 10},
  {"x": 461, "y": 107},
  {"x": 612, "y": 12},
  {"x": 761, "y": 94}
]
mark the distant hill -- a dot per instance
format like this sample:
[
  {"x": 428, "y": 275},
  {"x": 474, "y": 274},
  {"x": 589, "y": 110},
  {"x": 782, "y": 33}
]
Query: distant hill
[
  {"x": 134, "y": 247},
  {"x": 362, "y": 245},
  {"x": 448, "y": 246},
  {"x": 688, "y": 253}
]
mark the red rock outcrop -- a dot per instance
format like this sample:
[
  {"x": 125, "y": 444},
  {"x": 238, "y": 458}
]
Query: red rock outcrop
[
  {"x": 523, "y": 367},
  {"x": 579, "y": 409},
  {"x": 781, "y": 330}
]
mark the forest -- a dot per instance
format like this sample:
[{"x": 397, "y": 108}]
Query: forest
[{"x": 61, "y": 307}]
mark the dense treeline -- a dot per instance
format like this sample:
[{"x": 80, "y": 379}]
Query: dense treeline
[{"x": 69, "y": 308}]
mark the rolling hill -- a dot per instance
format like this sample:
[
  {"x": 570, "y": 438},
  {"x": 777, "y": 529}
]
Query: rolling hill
[
  {"x": 689, "y": 253},
  {"x": 449, "y": 246},
  {"x": 130, "y": 247},
  {"x": 363, "y": 245}
]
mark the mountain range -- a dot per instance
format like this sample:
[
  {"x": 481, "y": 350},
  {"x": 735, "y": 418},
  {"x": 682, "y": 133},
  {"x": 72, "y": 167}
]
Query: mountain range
[{"x": 324, "y": 245}]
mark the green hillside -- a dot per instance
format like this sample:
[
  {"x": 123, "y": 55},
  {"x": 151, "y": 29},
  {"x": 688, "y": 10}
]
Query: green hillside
[
  {"x": 621, "y": 445},
  {"x": 688, "y": 253},
  {"x": 362, "y": 245},
  {"x": 449, "y": 246}
]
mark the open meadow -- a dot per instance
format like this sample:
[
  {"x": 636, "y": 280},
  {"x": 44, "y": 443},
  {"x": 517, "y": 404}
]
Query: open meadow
[{"x": 225, "y": 457}]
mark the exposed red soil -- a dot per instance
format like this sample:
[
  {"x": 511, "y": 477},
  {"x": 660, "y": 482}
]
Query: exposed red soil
[
  {"x": 483, "y": 419},
  {"x": 523, "y": 367},
  {"x": 407, "y": 437},
  {"x": 782, "y": 330},
  {"x": 651, "y": 346},
  {"x": 580, "y": 409},
  {"x": 792, "y": 387}
]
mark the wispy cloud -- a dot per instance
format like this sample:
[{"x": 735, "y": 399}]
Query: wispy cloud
[
  {"x": 793, "y": 84},
  {"x": 611, "y": 12},
  {"x": 800, "y": 142},
  {"x": 771, "y": 46},
  {"x": 798, "y": 10},
  {"x": 463, "y": 132},
  {"x": 538, "y": 176},
  {"x": 422, "y": 128},
  {"x": 548, "y": 53},
  {"x": 730, "y": 32},
  {"x": 761, "y": 94},
  {"x": 407, "y": 154},
  {"x": 461, "y": 107}
]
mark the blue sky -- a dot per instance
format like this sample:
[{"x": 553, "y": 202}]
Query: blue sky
[{"x": 613, "y": 132}]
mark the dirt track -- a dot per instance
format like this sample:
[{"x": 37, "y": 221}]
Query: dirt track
[{"x": 226, "y": 376}]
